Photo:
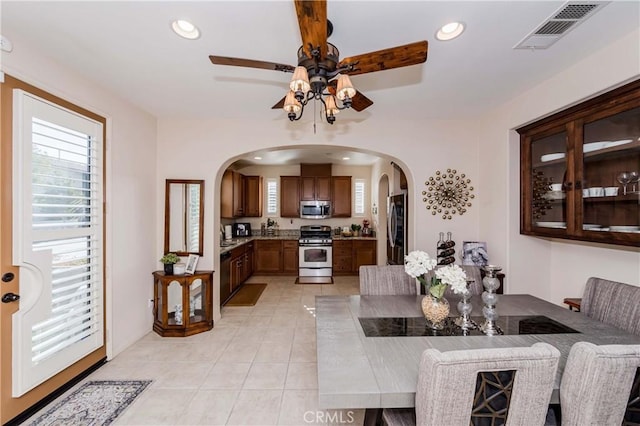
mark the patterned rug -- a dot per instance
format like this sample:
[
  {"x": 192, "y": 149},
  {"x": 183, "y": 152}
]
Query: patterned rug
[{"x": 94, "y": 403}]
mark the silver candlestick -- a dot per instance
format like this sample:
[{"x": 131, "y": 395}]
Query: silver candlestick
[
  {"x": 464, "y": 321},
  {"x": 490, "y": 298}
]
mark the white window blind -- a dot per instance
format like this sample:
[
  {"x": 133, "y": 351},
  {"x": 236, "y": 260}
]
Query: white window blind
[
  {"x": 66, "y": 205},
  {"x": 272, "y": 196},
  {"x": 193, "y": 216},
  {"x": 359, "y": 197}
]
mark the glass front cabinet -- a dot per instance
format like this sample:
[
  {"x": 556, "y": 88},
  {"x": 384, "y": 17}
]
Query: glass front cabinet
[{"x": 580, "y": 170}]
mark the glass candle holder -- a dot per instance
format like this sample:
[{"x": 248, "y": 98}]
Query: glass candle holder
[{"x": 491, "y": 283}]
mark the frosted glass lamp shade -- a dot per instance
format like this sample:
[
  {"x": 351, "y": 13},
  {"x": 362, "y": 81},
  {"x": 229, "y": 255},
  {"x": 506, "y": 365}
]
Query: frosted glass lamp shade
[
  {"x": 331, "y": 107},
  {"x": 345, "y": 88},
  {"x": 300, "y": 80},
  {"x": 291, "y": 104}
]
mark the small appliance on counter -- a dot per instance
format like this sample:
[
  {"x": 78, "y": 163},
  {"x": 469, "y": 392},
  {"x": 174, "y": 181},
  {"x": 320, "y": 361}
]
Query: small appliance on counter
[
  {"x": 241, "y": 230},
  {"x": 228, "y": 233}
]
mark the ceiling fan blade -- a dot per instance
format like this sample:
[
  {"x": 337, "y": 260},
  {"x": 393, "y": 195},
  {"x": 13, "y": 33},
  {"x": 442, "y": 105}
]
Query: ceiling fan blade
[
  {"x": 359, "y": 102},
  {"x": 394, "y": 57},
  {"x": 312, "y": 20},
  {"x": 280, "y": 104},
  {"x": 250, "y": 63}
]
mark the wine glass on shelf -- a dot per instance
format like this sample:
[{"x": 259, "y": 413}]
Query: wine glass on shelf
[
  {"x": 635, "y": 177},
  {"x": 624, "y": 178}
]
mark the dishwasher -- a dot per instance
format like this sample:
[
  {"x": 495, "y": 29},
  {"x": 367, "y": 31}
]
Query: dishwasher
[{"x": 225, "y": 277}]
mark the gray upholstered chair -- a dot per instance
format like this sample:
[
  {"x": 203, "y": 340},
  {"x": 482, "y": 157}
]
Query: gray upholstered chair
[
  {"x": 458, "y": 387},
  {"x": 597, "y": 382},
  {"x": 613, "y": 303},
  {"x": 386, "y": 280}
]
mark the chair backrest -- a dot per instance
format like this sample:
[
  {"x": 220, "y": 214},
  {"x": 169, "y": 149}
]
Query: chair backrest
[
  {"x": 386, "y": 280},
  {"x": 596, "y": 384},
  {"x": 453, "y": 386},
  {"x": 613, "y": 303}
]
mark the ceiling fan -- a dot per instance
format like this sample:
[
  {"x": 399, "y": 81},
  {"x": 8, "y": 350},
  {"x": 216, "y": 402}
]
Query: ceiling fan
[{"x": 320, "y": 72}]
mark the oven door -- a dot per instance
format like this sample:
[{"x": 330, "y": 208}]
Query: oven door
[{"x": 315, "y": 256}]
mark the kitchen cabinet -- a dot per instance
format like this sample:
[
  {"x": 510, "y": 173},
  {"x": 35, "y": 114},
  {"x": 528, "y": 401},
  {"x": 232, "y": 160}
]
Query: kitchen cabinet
[
  {"x": 290, "y": 257},
  {"x": 341, "y": 196},
  {"x": 349, "y": 255},
  {"x": 315, "y": 188},
  {"x": 241, "y": 264},
  {"x": 182, "y": 303},
  {"x": 268, "y": 255},
  {"x": 574, "y": 166},
  {"x": 253, "y": 195},
  {"x": 289, "y": 196},
  {"x": 231, "y": 195}
]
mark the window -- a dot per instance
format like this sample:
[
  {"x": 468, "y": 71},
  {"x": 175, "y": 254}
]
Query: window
[
  {"x": 272, "y": 196},
  {"x": 359, "y": 197}
]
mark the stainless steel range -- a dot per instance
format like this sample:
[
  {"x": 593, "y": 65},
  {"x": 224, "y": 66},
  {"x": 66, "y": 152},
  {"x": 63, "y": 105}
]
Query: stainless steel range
[{"x": 315, "y": 255}]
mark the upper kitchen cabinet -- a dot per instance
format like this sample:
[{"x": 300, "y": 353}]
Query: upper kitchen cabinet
[
  {"x": 341, "y": 196},
  {"x": 253, "y": 190},
  {"x": 315, "y": 188},
  {"x": 289, "y": 196},
  {"x": 579, "y": 171},
  {"x": 240, "y": 196}
]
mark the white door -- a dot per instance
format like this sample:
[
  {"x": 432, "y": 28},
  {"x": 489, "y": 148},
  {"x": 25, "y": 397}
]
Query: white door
[{"x": 56, "y": 246}]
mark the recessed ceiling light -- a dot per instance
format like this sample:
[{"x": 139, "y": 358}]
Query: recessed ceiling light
[
  {"x": 346, "y": 158},
  {"x": 450, "y": 31},
  {"x": 257, "y": 158},
  {"x": 185, "y": 29}
]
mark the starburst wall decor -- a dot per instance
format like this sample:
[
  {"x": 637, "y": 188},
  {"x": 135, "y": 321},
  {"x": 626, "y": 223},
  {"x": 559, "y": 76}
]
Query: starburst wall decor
[{"x": 448, "y": 193}]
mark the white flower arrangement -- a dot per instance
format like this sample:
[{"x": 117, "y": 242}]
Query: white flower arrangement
[{"x": 418, "y": 263}]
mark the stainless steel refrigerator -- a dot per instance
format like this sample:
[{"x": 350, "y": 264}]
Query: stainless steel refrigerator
[{"x": 396, "y": 229}]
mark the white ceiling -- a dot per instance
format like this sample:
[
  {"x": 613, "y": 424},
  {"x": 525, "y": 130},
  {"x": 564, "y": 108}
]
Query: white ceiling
[{"x": 129, "y": 48}]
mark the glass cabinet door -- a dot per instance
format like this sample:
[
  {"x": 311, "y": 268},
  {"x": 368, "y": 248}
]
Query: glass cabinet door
[
  {"x": 196, "y": 301},
  {"x": 548, "y": 182},
  {"x": 610, "y": 171}
]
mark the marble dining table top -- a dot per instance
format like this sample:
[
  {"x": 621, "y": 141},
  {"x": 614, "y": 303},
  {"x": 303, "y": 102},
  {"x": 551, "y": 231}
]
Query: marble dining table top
[{"x": 355, "y": 371}]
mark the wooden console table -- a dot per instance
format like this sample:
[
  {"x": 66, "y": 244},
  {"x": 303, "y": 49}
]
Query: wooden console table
[{"x": 182, "y": 304}]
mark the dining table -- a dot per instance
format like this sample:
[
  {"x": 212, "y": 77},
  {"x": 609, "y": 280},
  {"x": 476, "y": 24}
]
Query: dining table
[{"x": 369, "y": 347}]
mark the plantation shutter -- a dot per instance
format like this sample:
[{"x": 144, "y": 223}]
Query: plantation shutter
[
  {"x": 272, "y": 196},
  {"x": 359, "y": 197}
]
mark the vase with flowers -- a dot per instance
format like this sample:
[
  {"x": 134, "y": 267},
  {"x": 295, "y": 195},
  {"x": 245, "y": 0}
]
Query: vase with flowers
[{"x": 434, "y": 305}]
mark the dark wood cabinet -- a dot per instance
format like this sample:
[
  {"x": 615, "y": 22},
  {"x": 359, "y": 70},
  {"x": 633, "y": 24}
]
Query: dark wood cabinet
[
  {"x": 315, "y": 188},
  {"x": 341, "y": 196},
  {"x": 232, "y": 195},
  {"x": 289, "y": 196},
  {"x": 364, "y": 253},
  {"x": 290, "y": 257},
  {"x": 268, "y": 255},
  {"x": 342, "y": 262},
  {"x": 253, "y": 196},
  {"x": 183, "y": 304},
  {"x": 574, "y": 165}
]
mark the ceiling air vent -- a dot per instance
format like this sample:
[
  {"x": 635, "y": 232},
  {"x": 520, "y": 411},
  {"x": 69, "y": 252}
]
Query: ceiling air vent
[{"x": 569, "y": 16}]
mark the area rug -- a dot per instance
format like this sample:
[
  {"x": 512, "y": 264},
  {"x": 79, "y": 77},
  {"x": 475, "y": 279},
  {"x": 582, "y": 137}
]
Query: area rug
[
  {"x": 248, "y": 295},
  {"x": 97, "y": 402}
]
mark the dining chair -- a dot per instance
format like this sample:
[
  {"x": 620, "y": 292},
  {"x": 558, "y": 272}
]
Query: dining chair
[
  {"x": 601, "y": 385},
  {"x": 386, "y": 280},
  {"x": 613, "y": 303},
  {"x": 509, "y": 386}
]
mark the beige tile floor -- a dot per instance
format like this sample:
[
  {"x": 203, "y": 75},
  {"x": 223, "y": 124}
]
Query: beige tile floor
[{"x": 256, "y": 367}]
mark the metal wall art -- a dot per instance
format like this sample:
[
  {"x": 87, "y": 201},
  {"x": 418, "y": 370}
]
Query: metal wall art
[{"x": 448, "y": 193}]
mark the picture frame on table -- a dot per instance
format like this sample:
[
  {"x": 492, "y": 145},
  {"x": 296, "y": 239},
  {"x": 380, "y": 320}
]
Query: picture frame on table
[
  {"x": 474, "y": 253},
  {"x": 192, "y": 261}
]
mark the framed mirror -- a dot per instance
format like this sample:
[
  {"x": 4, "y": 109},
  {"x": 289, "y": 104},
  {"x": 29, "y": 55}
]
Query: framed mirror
[{"x": 183, "y": 216}]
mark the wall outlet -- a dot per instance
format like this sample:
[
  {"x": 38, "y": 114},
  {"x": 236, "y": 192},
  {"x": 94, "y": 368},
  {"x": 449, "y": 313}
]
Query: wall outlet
[{"x": 150, "y": 303}]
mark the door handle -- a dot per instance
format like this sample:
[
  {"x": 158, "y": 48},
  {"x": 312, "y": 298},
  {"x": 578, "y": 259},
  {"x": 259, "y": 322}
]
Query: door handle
[
  {"x": 10, "y": 297},
  {"x": 9, "y": 276}
]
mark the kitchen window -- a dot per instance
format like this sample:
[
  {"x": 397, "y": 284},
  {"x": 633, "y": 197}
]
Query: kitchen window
[
  {"x": 272, "y": 196},
  {"x": 359, "y": 188}
]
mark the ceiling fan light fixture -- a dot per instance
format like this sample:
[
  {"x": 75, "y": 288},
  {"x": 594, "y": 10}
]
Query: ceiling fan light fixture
[
  {"x": 345, "y": 88},
  {"x": 300, "y": 80},
  {"x": 185, "y": 29},
  {"x": 331, "y": 106},
  {"x": 450, "y": 31},
  {"x": 291, "y": 104}
]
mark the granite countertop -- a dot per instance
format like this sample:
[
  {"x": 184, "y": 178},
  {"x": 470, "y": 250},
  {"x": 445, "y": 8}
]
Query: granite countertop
[{"x": 237, "y": 242}]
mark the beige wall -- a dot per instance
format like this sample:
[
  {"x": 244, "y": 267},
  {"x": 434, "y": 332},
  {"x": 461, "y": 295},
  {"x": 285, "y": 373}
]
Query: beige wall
[{"x": 131, "y": 253}]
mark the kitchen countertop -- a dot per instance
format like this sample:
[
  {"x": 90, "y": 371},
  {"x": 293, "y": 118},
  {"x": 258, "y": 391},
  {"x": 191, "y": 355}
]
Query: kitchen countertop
[{"x": 237, "y": 242}]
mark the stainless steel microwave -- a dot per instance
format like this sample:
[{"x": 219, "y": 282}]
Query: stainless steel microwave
[{"x": 315, "y": 209}]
